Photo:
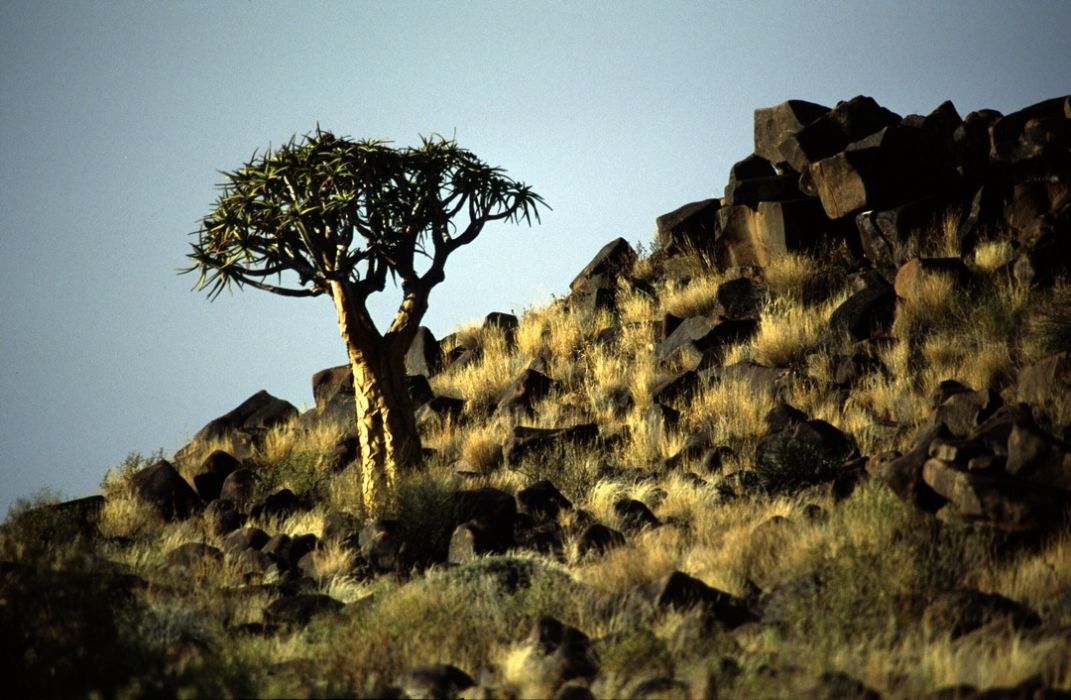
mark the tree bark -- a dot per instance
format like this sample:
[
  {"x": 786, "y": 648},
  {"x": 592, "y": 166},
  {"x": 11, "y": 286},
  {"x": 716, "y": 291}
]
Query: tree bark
[{"x": 386, "y": 425}]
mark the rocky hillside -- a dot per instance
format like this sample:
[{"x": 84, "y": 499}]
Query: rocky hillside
[{"x": 814, "y": 443}]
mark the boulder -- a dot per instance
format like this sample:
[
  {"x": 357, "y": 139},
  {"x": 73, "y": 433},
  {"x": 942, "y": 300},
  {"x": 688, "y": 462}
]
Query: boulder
[
  {"x": 831, "y": 133},
  {"x": 803, "y": 453},
  {"x": 890, "y": 237},
  {"x": 615, "y": 259},
  {"x": 506, "y": 323},
  {"x": 634, "y": 515},
  {"x": 693, "y": 226},
  {"x": 434, "y": 681},
  {"x": 683, "y": 333},
  {"x": 281, "y": 504},
  {"x": 681, "y": 385},
  {"x": 542, "y": 500},
  {"x": 1044, "y": 381},
  {"x": 741, "y": 298},
  {"x": 566, "y": 652},
  {"x": 887, "y": 168},
  {"x": 424, "y": 357},
  {"x": 753, "y": 236},
  {"x": 1038, "y": 457},
  {"x": 208, "y": 480},
  {"x": 598, "y": 539},
  {"x": 244, "y": 425},
  {"x": 1006, "y": 504},
  {"x": 869, "y": 310},
  {"x": 1030, "y": 131},
  {"x": 524, "y": 392},
  {"x": 524, "y": 441},
  {"x": 223, "y": 517},
  {"x": 679, "y": 591},
  {"x": 163, "y": 488},
  {"x": 903, "y": 473},
  {"x": 963, "y": 411},
  {"x": 243, "y": 539},
  {"x": 959, "y": 611},
  {"x": 298, "y": 610},
  {"x": 774, "y": 125},
  {"x": 382, "y": 543},
  {"x": 240, "y": 487},
  {"x": 912, "y": 274},
  {"x": 194, "y": 556}
]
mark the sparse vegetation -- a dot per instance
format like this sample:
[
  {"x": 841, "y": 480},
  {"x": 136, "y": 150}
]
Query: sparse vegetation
[{"x": 697, "y": 521}]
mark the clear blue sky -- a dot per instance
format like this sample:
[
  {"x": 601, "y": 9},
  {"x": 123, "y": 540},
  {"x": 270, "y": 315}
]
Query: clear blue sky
[{"x": 116, "y": 116}]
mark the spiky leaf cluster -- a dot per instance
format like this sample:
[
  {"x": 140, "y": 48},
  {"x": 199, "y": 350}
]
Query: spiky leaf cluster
[{"x": 338, "y": 210}]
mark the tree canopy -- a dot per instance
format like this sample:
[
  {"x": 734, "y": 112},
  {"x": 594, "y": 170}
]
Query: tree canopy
[{"x": 351, "y": 211}]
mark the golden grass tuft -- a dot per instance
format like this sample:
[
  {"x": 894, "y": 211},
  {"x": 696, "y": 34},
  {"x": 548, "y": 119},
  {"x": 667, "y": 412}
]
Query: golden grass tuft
[{"x": 696, "y": 297}]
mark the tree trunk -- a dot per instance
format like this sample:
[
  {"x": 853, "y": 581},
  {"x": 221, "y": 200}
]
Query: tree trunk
[{"x": 386, "y": 425}]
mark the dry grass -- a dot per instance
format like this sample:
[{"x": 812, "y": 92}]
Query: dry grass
[
  {"x": 696, "y": 297},
  {"x": 789, "y": 329}
]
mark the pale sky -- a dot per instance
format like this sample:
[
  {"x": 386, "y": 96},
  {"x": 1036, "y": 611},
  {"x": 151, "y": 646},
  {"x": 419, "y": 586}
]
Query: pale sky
[{"x": 116, "y": 117}]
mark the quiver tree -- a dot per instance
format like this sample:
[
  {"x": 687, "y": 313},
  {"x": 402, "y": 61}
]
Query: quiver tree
[{"x": 336, "y": 217}]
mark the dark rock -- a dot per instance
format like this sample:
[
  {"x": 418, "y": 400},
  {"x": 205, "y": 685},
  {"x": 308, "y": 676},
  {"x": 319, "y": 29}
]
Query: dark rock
[
  {"x": 835, "y": 685},
  {"x": 420, "y": 391},
  {"x": 506, "y": 323},
  {"x": 569, "y": 649},
  {"x": 741, "y": 298},
  {"x": 438, "y": 681},
  {"x": 162, "y": 488},
  {"x": 524, "y": 392},
  {"x": 574, "y": 692},
  {"x": 194, "y": 556},
  {"x": 547, "y": 538},
  {"x": 524, "y": 441},
  {"x": 598, "y": 539},
  {"x": 832, "y": 132},
  {"x": 957, "y": 451},
  {"x": 615, "y": 259},
  {"x": 425, "y": 357},
  {"x": 542, "y": 500},
  {"x": 214, "y": 469},
  {"x": 660, "y": 687},
  {"x": 964, "y": 411},
  {"x": 1030, "y": 131},
  {"x": 783, "y": 416},
  {"x": 803, "y": 453},
  {"x": 868, "y": 311},
  {"x": 280, "y": 549},
  {"x": 714, "y": 458},
  {"x": 439, "y": 409},
  {"x": 678, "y": 591},
  {"x": 903, "y": 473},
  {"x": 223, "y": 517},
  {"x": 1044, "y": 381},
  {"x": 1006, "y": 504},
  {"x": 245, "y": 424},
  {"x": 684, "y": 332},
  {"x": 470, "y": 540},
  {"x": 693, "y": 226},
  {"x": 887, "y": 168},
  {"x": 298, "y": 610},
  {"x": 60, "y": 522},
  {"x": 340, "y": 526},
  {"x": 891, "y": 237},
  {"x": 243, "y": 539},
  {"x": 958, "y": 612},
  {"x": 774, "y": 125},
  {"x": 281, "y": 504},
  {"x": 679, "y": 386},
  {"x": 240, "y": 487},
  {"x": 755, "y": 236},
  {"x": 996, "y": 428},
  {"x": 910, "y": 276},
  {"x": 382, "y": 543},
  {"x": 493, "y": 513},
  {"x": 765, "y": 380},
  {"x": 754, "y": 191},
  {"x": 946, "y": 389},
  {"x": 634, "y": 515},
  {"x": 1038, "y": 457}
]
